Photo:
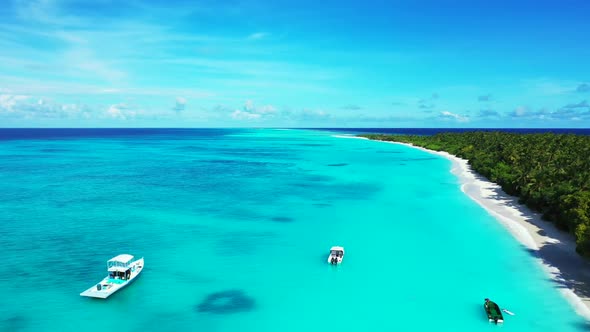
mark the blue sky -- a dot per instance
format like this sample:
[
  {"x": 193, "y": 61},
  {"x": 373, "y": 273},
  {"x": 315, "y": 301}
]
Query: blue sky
[{"x": 103, "y": 63}]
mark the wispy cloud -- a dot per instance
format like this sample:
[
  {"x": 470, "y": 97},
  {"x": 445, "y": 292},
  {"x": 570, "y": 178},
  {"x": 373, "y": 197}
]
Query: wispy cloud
[
  {"x": 352, "y": 107},
  {"x": 426, "y": 106},
  {"x": 307, "y": 115},
  {"x": 140, "y": 59},
  {"x": 258, "y": 36},
  {"x": 428, "y": 103},
  {"x": 39, "y": 108},
  {"x": 31, "y": 86},
  {"x": 548, "y": 87},
  {"x": 488, "y": 113},
  {"x": 446, "y": 115},
  {"x": 62, "y": 42},
  {"x": 251, "y": 112},
  {"x": 520, "y": 111},
  {"x": 242, "y": 115},
  {"x": 582, "y": 104},
  {"x": 119, "y": 111},
  {"x": 563, "y": 114},
  {"x": 10, "y": 103},
  {"x": 572, "y": 112},
  {"x": 180, "y": 104},
  {"x": 83, "y": 61},
  {"x": 487, "y": 97},
  {"x": 28, "y": 107},
  {"x": 117, "y": 54},
  {"x": 383, "y": 119}
]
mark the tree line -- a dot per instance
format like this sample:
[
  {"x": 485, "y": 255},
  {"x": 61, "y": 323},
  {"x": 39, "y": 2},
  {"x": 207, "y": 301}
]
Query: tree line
[{"x": 550, "y": 173}]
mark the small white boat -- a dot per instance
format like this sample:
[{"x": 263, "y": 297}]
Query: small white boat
[
  {"x": 336, "y": 255},
  {"x": 123, "y": 269}
]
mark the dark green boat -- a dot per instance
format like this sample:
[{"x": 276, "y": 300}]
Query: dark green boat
[{"x": 493, "y": 311}]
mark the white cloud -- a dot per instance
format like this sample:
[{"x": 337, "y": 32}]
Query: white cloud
[
  {"x": 115, "y": 112},
  {"x": 251, "y": 112},
  {"x": 242, "y": 115},
  {"x": 306, "y": 115},
  {"x": 520, "y": 111},
  {"x": 180, "y": 104},
  {"x": 428, "y": 103},
  {"x": 109, "y": 90},
  {"x": 267, "y": 109},
  {"x": 249, "y": 106},
  {"x": 453, "y": 116},
  {"x": 21, "y": 106},
  {"x": 9, "y": 102},
  {"x": 575, "y": 112},
  {"x": 352, "y": 107},
  {"x": 484, "y": 98},
  {"x": 26, "y": 107},
  {"x": 258, "y": 35},
  {"x": 124, "y": 111}
]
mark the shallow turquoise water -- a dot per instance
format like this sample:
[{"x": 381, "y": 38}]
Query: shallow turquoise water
[{"x": 254, "y": 212}]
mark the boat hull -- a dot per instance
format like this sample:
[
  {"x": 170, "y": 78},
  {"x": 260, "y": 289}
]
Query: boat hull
[
  {"x": 494, "y": 313},
  {"x": 333, "y": 259},
  {"x": 109, "y": 286}
]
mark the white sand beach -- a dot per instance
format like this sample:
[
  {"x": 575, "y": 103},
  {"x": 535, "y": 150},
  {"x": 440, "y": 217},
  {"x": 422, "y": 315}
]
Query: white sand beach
[{"x": 554, "y": 249}]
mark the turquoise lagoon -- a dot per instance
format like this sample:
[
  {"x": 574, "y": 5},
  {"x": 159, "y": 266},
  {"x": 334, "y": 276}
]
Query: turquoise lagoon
[{"x": 251, "y": 214}]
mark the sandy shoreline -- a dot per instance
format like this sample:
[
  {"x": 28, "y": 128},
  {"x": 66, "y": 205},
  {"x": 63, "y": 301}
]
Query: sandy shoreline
[{"x": 554, "y": 249}]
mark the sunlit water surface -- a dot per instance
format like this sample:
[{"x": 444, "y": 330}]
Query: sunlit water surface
[{"x": 235, "y": 227}]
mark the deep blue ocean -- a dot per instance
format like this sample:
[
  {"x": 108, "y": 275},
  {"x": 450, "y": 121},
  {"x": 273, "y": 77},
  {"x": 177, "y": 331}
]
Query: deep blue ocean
[
  {"x": 235, "y": 226},
  {"x": 432, "y": 131},
  {"x": 69, "y": 133}
]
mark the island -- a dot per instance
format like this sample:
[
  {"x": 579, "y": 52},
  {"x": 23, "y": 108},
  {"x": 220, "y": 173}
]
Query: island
[
  {"x": 536, "y": 185},
  {"x": 549, "y": 173}
]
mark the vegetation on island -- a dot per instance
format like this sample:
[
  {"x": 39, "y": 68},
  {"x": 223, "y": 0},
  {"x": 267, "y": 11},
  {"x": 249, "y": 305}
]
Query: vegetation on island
[{"x": 550, "y": 173}]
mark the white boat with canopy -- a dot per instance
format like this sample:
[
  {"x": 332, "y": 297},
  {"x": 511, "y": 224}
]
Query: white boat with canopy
[
  {"x": 123, "y": 269},
  {"x": 336, "y": 255}
]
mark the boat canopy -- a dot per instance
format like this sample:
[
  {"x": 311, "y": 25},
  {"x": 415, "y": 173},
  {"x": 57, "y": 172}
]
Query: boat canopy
[
  {"x": 337, "y": 250},
  {"x": 119, "y": 263}
]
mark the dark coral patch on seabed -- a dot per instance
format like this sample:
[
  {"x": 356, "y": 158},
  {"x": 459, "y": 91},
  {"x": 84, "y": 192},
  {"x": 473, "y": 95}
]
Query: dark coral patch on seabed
[
  {"x": 282, "y": 219},
  {"x": 322, "y": 204},
  {"x": 226, "y": 302},
  {"x": 13, "y": 324}
]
